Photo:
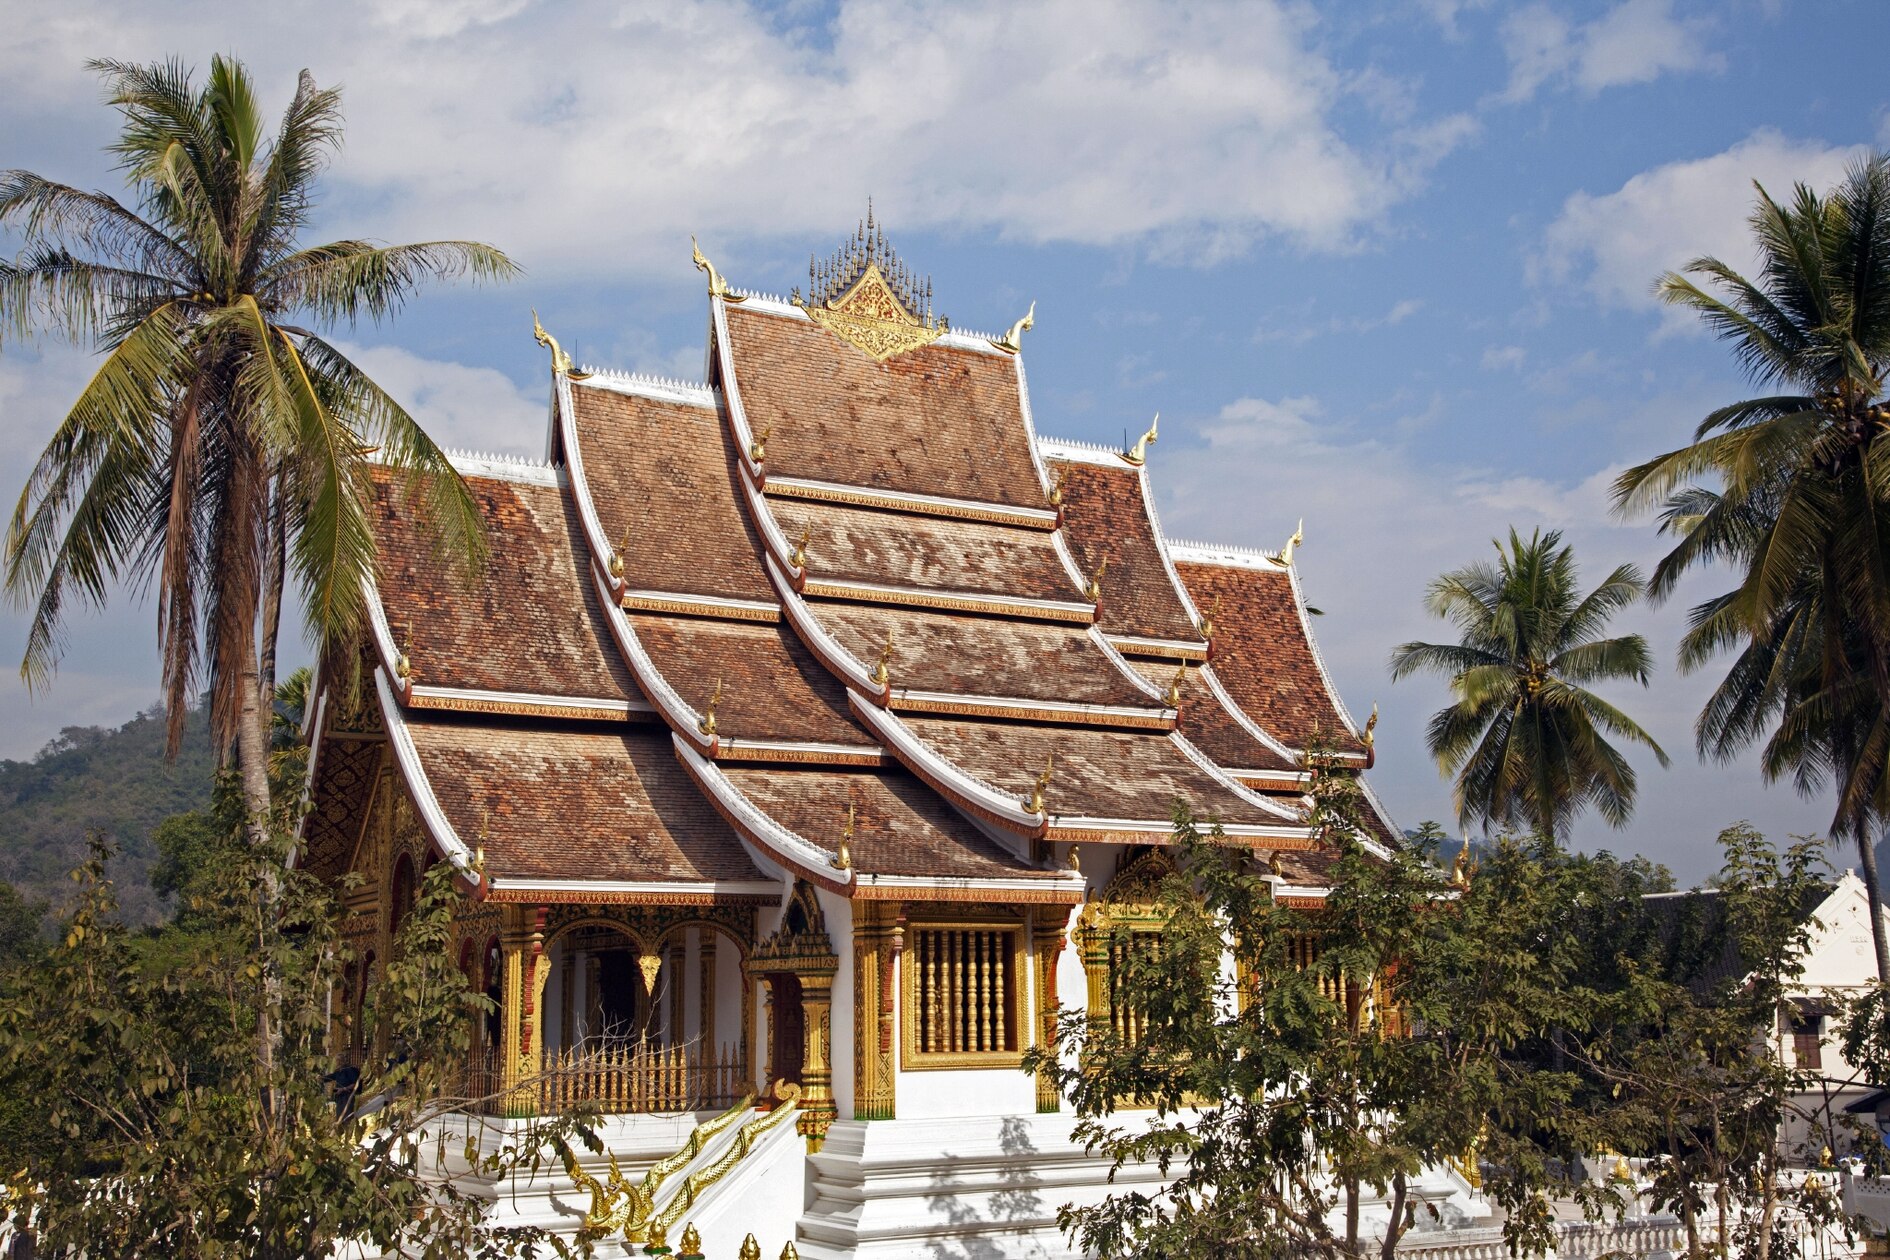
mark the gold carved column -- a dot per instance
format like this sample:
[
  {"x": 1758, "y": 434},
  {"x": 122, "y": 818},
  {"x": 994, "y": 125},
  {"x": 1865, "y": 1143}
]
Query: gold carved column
[
  {"x": 817, "y": 1106},
  {"x": 801, "y": 948},
  {"x": 1046, "y": 948},
  {"x": 524, "y": 970},
  {"x": 878, "y": 934}
]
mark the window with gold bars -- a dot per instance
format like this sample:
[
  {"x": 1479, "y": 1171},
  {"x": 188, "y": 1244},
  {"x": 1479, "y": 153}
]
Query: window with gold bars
[
  {"x": 962, "y": 984},
  {"x": 1126, "y": 1016}
]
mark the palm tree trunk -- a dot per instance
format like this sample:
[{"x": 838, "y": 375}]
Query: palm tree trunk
[
  {"x": 252, "y": 766},
  {"x": 1867, "y": 866},
  {"x": 275, "y": 562}
]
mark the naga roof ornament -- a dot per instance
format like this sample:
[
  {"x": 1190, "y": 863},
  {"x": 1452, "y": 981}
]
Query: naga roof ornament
[
  {"x": 1137, "y": 455},
  {"x": 868, "y": 298},
  {"x": 718, "y": 287},
  {"x": 1012, "y": 342},
  {"x": 1299, "y": 536},
  {"x": 561, "y": 364}
]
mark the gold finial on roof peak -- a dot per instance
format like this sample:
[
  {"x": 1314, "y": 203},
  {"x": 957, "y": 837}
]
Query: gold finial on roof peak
[
  {"x": 798, "y": 557},
  {"x": 618, "y": 557},
  {"x": 561, "y": 364},
  {"x": 844, "y": 859},
  {"x": 1076, "y": 858},
  {"x": 718, "y": 287},
  {"x": 1056, "y": 491},
  {"x": 1173, "y": 697},
  {"x": 1276, "y": 865},
  {"x": 758, "y": 449},
  {"x": 1299, "y": 536},
  {"x": 1035, "y": 802},
  {"x": 1206, "y": 624},
  {"x": 707, "y": 723},
  {"x": 1137, "y": 455},
  {"x": 866, "y": 296},
  {"x": 882, "y": 673},
  {"x": 1369, "y": 734},
  {"x": 1013, "y": 341},
  {"x": 1094, "y": 590}
]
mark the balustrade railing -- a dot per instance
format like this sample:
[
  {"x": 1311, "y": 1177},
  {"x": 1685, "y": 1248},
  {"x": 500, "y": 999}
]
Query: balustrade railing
[{"x": 622, "y": 1077}]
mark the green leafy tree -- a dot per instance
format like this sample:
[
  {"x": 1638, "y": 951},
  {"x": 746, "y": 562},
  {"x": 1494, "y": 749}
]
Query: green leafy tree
[
  {"x": 1526, "y": 739},
  {"x": 1791, "y": 488},
  {"x": 146, "y": 1121},
  {"x": 1276, "y": 1100},
  {"x": 20, "y": 918},
  {"x": 221, "y": 445}
]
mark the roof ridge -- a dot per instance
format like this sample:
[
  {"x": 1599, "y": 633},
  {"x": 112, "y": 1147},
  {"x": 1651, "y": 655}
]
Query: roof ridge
[
  {"x": 1198, "y": 552},
  {"x": 502, "y": 466},
  {"x": 641, "y": 378}
]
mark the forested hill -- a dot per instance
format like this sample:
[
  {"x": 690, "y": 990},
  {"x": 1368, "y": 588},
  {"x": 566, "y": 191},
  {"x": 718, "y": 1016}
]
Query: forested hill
[{"x": 114, "y": 780}]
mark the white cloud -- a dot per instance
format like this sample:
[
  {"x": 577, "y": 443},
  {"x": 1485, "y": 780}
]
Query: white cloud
[
  {"x": 467, "y": 408},
  {"x": 1616, "y": 244},
  {"x": 597, "y": 137},
  {"x": 1381, "y": 521},
  {"x": 1504, "y": 358},
  {"x": 1297, "y": 328},
  {"x": 1636, "y": 41}
]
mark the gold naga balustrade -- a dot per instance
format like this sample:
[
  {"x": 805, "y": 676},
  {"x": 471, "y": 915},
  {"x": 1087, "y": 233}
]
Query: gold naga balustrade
[
  {"x": 616, "y": 1204},
  {"x": 787, "y": 1095}
]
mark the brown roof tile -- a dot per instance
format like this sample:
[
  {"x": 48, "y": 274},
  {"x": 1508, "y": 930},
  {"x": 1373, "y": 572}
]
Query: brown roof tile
[
  {"x": 928, "y": 552},
  {"x": 772, "y": 687},
  {"x": 981, "y": 655},
  {"x": 531, "y": 624},
  {"x": 900, "y": 827},
  {"x": 666, "y": 472},
  {"x": 565, "y": 805},
  {"x": 1263, "y": 656},
  {"x": 1098, "y": 773},
  {"x": 1207, "y": 724},
  {"x": 936, "y": 421},
  {"x": 1106, "y": 518}
]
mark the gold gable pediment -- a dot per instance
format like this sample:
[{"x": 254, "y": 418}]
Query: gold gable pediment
[{"x": 870, "y": 317}]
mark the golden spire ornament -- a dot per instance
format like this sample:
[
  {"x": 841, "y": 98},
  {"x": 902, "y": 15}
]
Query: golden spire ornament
[
  {"x": 1013, "y": 341},
  {"x": 798, "y": 557},
  {"x": 707, "y": 723},
  {"x": 758, "y": 449},
  {"x": 1206, "y": 626},
  {"x": 1056, "y": 491},
  {"x": 882, "y": 673},
  {"x": 1137, "y": 455},
  {"x": 691, "y": 1243},
  {"x": 1093, "y": 592},
  {"x": 718, "y": 287},
  {"x": 1034, "y": 803},
  {"x": 561, "y": 364},
  {"x": 751, "y": 1250},
  {"x": 1368, "y": 735},
  {"x": 616, "y": 564},
  {"x": 1173, "y": 696},
  {"x": 1299, "y": 536},
  {"x": 844, "y": 858}
]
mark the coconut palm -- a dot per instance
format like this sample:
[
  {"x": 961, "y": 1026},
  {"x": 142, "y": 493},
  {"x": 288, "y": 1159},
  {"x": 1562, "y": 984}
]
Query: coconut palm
[
  {"x": 1792, "y": 489},
  {"x": 219, "y": 446},
  {"x": 1525, "y": 738}
]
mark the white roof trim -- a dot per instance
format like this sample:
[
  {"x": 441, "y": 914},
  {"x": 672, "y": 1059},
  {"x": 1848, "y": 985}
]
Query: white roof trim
[
  {"x": 1046, "y": 516},
  {"x": 661, "y": 388},
  {"x": 1378, "y": 807},
  {"x": 676, "y": 711},
  {"x": 600, "y": 704},
  {"x": 791, "y": 845},
  {"x": 732, "y": 749},
  {"x": 1240, "y": 716},
  {"x": 1131, "y": 642},
  {"x": 726, "y": 887},
  {"x": 1070, "y": 451},
  {"x": 378, "y": 628},
  {"x": 1135, "y": 826},
  {"x": 407, "y": 756},
  {"x": 1062, "y": 880},
  {"x": 580, "y": 487},
  {"x": 897, "y": 736},
  {"x": 1312, "y": 644},
  {"x": 808, "y": 626},
  {"x": 1050, "y": 708},
  {"x": 1044, "y": 480},
  {"x": 1227, "y": 557},
  {"x": 1228, "y": 781},
  {"x": 988, "y": 602},
  {"x": 1128, "y": 671},
  {"x": 1161, "y": 547},
  {"x": 516, "y": 468},
  {"x": 707, "y": 601}
]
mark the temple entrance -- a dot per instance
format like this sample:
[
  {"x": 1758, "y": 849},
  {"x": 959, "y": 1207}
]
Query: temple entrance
[
  {"x": 616, "y": 1001},
  {"x": 787, "y": 1024}
]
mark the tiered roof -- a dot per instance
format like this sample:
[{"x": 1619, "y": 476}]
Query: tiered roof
[{"x": 836, "y": 613}]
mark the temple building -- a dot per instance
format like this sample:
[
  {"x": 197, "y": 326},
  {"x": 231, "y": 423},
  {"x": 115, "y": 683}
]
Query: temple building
[{"x": 806, "y": 732}]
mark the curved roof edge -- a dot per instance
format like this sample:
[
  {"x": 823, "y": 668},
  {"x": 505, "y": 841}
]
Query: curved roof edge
[{"x": 786, "y": 847}]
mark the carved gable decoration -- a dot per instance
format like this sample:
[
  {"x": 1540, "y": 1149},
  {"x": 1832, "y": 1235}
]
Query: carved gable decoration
[{"x": 869, "y": 299}]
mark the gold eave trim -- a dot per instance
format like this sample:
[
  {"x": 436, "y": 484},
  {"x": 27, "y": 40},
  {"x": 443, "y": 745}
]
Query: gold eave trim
[
  {"x": 518, "y": 704},
  {"x": 999, "y": 890},
  {"x": 1017, "y": 709},
  {"x": 918, "y": 504},
  {"x": 954, "y": 601},
  {"x": 805, "y": 753},
  {"x": 1076, "y": 830},
  {"x": 1167, "y": 649},
  {"x": 1278, "y": 780},
  {"x": 699, "y": 606},
  {"x": 635, "y": 892}
]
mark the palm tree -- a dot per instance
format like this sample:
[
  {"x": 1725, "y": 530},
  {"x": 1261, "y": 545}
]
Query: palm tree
[
  {"x": 1525, "y": 738},
  {"x": 1794, "y": 494},
  {"x": 219, "y": 446}
]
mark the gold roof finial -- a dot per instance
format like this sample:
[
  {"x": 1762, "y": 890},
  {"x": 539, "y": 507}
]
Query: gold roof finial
[
  {"x": 788, "y": 1252},
  {"x": 1174, "y": 686},
  {"x": 707, "y": 724},
  {"x": 1138, "y": 454},
  {"x": 1056, "y": 491},
  {"x": 1369, "y": 734},
  {"x": 1206, "y": 626},
  {"x": 616, "y": 564},
  {"x": 1076, "y": 858},
  {"x": 882, "y": 674},
  {"x": 1276, "y": 865},
  {"x": 751, "y": 1250},
  {"x": 691, "y": 1243},
  {"x": 1035, "y": 803},
  {"x": 1299, "y": 536},
  {"x": 1013, "y": 341},
  {"x": 718, "y": 287},
  {"x": 844, "y": 859},
  {"x": 758, "y": 449},
  {"x": 798, "y": 557},
  {"x": 659, "y": 1237},
  {"x": 561, "y": 364},
  {"x": 1460, "y": 869},
  {"x": 1094, "y": 590}
]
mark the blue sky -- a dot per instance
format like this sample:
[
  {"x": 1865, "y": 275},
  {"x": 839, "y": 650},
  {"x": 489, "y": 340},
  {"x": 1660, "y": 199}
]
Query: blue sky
[{"x": 1384, "y": 267}]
